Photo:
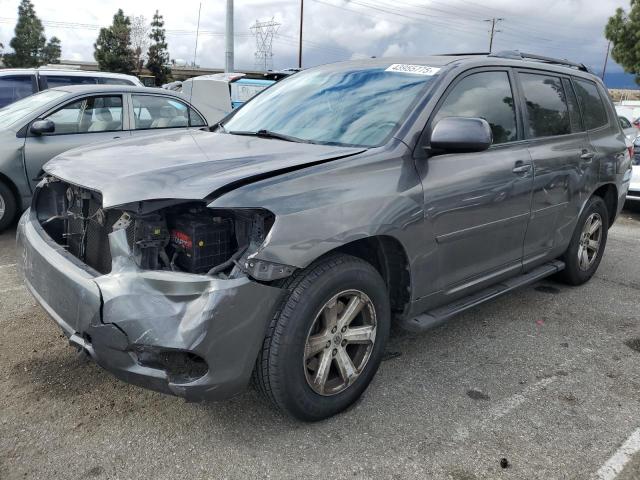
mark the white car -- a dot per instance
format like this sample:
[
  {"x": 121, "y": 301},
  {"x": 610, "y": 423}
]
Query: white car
[
  {"x": 629, "y": 129},
  {"x": 17, "y": 83}
]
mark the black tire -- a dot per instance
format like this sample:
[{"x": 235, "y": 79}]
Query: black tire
[
  {"x": 280, "y": 371},
  {"x": 573, "y": 274},
  {"x": 10, "y": 207}
]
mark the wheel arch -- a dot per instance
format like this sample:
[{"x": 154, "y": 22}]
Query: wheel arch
[
  {"x": 609, "y": 194},
  {"x": 388, "y": 256}
]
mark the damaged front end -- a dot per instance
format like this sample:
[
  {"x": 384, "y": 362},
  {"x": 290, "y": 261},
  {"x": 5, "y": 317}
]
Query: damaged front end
[
  {"x": 182, "y": 236},
  {"x": 164, "y": 294}
]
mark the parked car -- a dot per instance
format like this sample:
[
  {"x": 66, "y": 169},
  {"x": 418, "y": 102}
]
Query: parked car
[
  {"x": 19, "y": 83},
  {"x": 281, "y": 245},
  {"x": 629, "y": 129},
  {"x": 174, "y": 86},
  {"x": 634, "y": 186},
  {"x": 37, "y": 128}
]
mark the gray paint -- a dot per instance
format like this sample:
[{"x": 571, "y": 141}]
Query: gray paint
[
  {"x": 223, "y": 321},
  {"x": 185, "y": 165},
  {"x": 464, "y": 221}
]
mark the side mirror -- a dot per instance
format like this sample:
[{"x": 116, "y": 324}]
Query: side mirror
[
  {"x": 42, "y": 126},
  {"x": 460, "y": 134}
]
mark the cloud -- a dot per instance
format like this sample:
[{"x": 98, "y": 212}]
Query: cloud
[{"x": 337, "y": 30}]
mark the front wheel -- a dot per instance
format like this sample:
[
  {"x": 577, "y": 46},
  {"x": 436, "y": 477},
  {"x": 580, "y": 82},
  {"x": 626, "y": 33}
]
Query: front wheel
[
  {"x": 326, "y": 341},
  {"x": 8, "y": 207},
  {"x": 585, "y": 251}
]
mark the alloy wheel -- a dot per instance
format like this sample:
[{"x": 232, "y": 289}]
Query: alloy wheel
[
  {"x": 590, "y": 240},
  {"x": 340, "y": 342}
]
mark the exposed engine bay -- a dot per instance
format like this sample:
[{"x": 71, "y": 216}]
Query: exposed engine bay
[{"x": 162, "y": 235}]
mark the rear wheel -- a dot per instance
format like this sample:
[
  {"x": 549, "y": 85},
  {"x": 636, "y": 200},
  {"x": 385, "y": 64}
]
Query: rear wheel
[
  {"x": 585, "y": 251},
  {"x": 8, "y": 207},
  {"x": 326, "y": 341}
]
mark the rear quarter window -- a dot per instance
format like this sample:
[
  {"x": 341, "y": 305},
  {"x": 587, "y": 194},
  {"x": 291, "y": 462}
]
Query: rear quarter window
[{"x": 594, "y": 113}]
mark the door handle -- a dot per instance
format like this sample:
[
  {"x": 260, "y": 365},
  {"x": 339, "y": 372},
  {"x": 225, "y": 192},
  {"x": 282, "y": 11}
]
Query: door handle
[
  {"x": 587, "y": 156},
  {"x": 524, "y": 168}
]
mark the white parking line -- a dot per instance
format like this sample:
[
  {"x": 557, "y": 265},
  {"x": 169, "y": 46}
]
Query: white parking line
[
  {"x": 616, "y": 463},
  {"x": 505, "y": 406}
]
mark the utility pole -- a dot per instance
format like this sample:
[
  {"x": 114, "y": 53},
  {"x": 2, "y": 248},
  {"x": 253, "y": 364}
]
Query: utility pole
[
  {"x": 300, "y": 43},
  {"x": 228, "y": 53},
  {"x": 493, "y": 30},
  {"x": 195, "y": 50},
  {"x": 606, "y": 59}
]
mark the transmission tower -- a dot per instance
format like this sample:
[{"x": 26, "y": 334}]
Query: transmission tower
[{"x": 264, "y": 32}]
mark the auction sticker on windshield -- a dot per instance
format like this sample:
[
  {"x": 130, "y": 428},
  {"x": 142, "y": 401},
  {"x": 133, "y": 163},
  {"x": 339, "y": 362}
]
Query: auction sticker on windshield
[{"x": 416, "y": 69}]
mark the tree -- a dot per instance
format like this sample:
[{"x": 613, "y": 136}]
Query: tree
[
  {"x": 158, "y": 56},
  {"x": 139, "y": 40},
  {"x": 52, "y": 51},
  {"x": 112, "y": 48},
  {"x": 30, "y": 48},
  {"x": 622, "y": 30}
]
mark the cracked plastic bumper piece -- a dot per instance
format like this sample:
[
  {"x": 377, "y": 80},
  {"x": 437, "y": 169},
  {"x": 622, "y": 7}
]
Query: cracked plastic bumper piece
[{"x": 188, "y": 335}]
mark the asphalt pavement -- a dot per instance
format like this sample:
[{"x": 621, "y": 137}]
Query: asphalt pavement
[{"x": 541, "y": 384}]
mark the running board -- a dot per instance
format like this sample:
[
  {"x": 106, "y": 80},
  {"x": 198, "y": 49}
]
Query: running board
[{"x": 436, "y": 317}]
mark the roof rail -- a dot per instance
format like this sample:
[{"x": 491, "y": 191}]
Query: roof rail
[{"x": 517, "y": 55}]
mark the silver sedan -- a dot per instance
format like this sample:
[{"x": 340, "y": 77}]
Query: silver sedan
[{"x": 37, "y": 128}]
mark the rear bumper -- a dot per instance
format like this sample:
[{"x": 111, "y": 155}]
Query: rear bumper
[{"x": 121, "y": 318}]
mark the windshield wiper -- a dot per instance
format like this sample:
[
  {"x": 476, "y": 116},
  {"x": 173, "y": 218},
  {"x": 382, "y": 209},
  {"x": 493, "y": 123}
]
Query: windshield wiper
[{"x": 269, "y": 134}]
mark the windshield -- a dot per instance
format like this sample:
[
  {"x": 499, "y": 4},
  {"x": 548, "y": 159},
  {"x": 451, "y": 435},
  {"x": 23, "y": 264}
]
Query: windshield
[
  {"x": 21, "y": 108},
  {"x": 360, "y": 106}
]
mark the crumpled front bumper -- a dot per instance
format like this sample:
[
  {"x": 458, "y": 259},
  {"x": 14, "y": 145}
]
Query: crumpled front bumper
[{"x": 114, "y": 317}]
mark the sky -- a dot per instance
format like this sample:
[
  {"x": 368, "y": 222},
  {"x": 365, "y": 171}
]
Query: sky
[{"x": 336, "y": 30}]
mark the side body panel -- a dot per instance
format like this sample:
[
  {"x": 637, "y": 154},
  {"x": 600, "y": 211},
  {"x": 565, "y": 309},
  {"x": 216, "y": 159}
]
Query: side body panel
[
  {"x": 478, "y": 209},
  {"x": 12, "y": 165},
  {"x": 323, "y": 207},
  {"x": 561, "y": 182},
  {"x": 609, "y": 145}
]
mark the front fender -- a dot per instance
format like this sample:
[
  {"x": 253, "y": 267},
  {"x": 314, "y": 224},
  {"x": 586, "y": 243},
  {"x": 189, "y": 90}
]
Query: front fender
[{"x": 323, "y": 207}]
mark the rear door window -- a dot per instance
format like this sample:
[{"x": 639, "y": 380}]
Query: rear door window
[
  {"x": 547, "y": 109},
  {"x": 593, "y": 109},
  {"x": 484, "y": 95},
  {"x": 155, "y": 112},
  {"x": 15, "y": 87}
]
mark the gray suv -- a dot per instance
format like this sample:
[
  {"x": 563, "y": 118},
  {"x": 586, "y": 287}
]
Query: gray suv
[{"x": 280, "y": 246}]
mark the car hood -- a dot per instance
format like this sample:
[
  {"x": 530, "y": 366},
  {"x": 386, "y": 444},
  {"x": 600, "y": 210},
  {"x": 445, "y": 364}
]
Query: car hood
[{"x": 191, "y": 164}]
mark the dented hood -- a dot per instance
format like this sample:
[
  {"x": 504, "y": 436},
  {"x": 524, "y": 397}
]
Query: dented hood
[{"x": 190, "y": 164}]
